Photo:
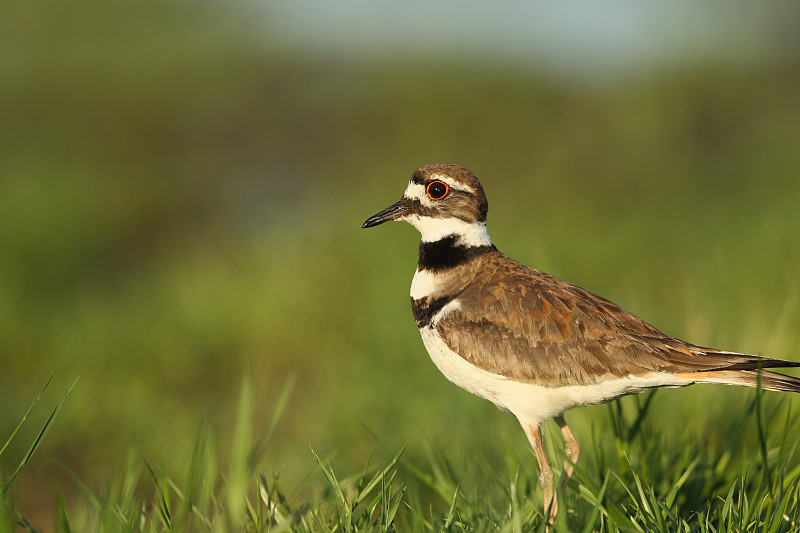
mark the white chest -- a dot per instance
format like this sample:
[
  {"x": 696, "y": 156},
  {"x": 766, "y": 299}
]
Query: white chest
[
  {"x": 459, "y": 371},
  {"x": 424, "y": 283}
]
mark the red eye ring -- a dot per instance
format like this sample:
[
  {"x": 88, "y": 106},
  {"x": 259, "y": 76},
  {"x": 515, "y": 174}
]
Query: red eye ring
[{"x": 436, "y": 190}]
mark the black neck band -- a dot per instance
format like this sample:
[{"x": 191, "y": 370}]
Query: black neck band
[{"x": 447, "y": 253}]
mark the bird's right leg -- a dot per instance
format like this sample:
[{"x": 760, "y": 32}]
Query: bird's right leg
[
  {"x": 572, "y": 449},
  {"x": 534, "y": 434}
]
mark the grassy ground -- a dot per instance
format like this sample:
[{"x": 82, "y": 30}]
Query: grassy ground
[{"x": 646, "y": 483}]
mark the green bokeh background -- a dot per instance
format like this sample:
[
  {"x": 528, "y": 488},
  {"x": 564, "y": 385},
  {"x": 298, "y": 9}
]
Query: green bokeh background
[{"x": 181, "y": 192}]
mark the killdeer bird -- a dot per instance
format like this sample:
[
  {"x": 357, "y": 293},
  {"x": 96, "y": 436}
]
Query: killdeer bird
[{"x": 531, "y": 343}]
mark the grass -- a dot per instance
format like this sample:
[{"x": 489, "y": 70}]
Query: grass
[{"x": 645, "y": 484}]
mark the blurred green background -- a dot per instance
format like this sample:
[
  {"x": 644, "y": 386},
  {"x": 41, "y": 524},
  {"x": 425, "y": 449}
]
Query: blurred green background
[{"x": 182, "y": 186}]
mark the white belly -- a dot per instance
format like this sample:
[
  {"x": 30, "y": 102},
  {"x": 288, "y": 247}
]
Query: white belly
[{"x": 530, "y": 403}]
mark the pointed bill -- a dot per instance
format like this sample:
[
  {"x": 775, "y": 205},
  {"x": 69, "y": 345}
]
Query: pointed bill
[{"x": 393, "y": 212}]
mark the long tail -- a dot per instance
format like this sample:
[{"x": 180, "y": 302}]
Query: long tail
[{"x": 748, "y": 373}]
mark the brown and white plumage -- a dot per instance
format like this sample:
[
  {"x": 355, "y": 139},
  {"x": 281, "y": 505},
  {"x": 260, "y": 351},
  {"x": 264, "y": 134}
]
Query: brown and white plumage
[
  {"x": 532, "y": 327},
  {"x": 532, "y": 343}
]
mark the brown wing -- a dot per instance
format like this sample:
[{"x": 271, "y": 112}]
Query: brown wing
[{"x": 533, "y": 327}]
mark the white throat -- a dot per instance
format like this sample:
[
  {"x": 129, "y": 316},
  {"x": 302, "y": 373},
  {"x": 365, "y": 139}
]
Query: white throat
[{"x": 435, "y": 229}]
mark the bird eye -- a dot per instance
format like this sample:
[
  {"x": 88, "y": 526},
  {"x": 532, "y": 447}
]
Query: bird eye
[{"x": 437, "y": 190}]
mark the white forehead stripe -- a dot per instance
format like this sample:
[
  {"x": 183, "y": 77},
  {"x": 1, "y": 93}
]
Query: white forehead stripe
[{"x": 415, "y": 191}]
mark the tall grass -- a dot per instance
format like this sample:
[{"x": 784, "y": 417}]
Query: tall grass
[{"x": 644, "y": 484}]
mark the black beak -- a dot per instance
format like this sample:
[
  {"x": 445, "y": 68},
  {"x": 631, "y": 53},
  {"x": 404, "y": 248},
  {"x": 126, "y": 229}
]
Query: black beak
[{"x": 393, "y": 212}]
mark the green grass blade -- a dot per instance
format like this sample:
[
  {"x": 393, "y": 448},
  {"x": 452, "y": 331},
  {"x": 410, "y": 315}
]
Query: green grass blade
[
  {"x": 761, "y": 428},
  {"x": 19, "y": 517},
  {"x": 345, "y": 517},
  {"x": 63, "y": 523},
  {"x": 240, "y": 455},
  {"x": 641, "y": 414},
  {"x": 164, "y": 511},
  {"x": 27, "y": 413},
  {"x": 38, "y": 440},
  {"x": 681, "y": 481},
  {"x": 277, "y": 414},
  {"x": 378, "y": 477},
  {"x": 451, "y": 511},
  {"x": 596, "y": 509}
]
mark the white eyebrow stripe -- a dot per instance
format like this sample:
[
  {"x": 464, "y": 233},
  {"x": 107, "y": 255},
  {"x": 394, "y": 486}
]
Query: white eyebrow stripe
[
  {"x": 457, "y": 185},
  {"x": 416, "y": 191}
]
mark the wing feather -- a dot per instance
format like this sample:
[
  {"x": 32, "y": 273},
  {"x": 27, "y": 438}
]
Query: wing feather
[{"x": 529, "y": 326}]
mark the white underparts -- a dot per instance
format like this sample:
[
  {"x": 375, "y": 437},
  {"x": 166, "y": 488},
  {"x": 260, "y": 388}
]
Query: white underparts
[
  {"x": 423, "y": 284},
  {"x": 530, "y": 403}
]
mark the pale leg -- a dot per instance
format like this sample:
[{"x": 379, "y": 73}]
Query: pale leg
[
  {"x": 534, "y": 434},
  {"x": 572, "y": 451}
]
